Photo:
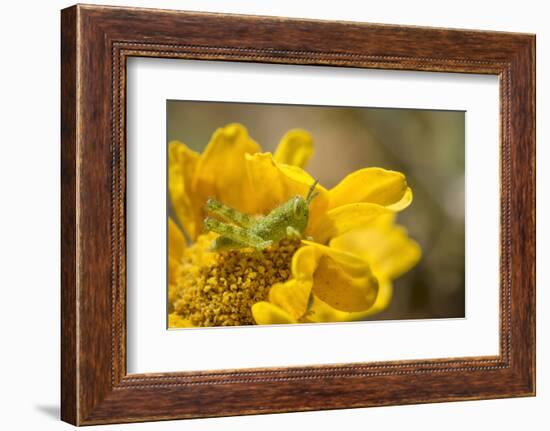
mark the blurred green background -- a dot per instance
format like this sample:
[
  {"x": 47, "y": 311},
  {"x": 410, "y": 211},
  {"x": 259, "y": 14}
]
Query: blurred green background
[{"x": 426, "y": 145}]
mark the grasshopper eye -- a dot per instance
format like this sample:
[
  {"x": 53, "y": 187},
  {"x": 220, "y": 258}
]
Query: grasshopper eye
[{"x": 297, "y": 208}]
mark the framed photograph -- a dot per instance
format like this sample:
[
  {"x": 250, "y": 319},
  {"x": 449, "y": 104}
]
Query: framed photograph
[{"x": 264, "y": 215}]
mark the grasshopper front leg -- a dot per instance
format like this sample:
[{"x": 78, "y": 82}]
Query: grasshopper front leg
[
  {"x": 293, "y": 233},
  {"x": 236, "y": 233}
]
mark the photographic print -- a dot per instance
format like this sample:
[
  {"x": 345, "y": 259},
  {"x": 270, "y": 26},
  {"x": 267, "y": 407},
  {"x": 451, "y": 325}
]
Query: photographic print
[{"x": 289, "y": 214}]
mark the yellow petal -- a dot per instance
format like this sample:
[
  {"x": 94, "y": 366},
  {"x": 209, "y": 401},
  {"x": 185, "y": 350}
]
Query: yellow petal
[
  {"x": 305, "y": 261},
  {"x": 172, "y": 296},
  {"x": 221, "y": 169},
  {"x": 173, "y": 270},
  {"x": 176, "y": 240},
  {"x": 335, "y": 286},
  {"x": 322, "y": 312},
  {"x": 319, "y": 205},
  {"x": 404, "y": 202},
  {"x": 292, "y": 296},
  {"x": 355, "y": 265},
  {"x": 274, "y": 184},
  {"x": 385, "y": 245},
  {"x": 269, "y": 314},
  {"x": 176, "y": 321},
  {"x": 385, "y": 293},
  {"x": 182, "y": 163},
  {"x": 340, "y": 279},
  {"x": 295, "y": 148},
  {"x": 345, "y": 218},
  {"x": 374, "y": 185}
]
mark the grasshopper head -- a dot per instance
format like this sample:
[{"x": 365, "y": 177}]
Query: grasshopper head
[{"x": 300, "y": 208}]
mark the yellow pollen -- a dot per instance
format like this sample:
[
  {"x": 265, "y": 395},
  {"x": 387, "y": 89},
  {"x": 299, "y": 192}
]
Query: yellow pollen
[{"x": 218, "y": 289}]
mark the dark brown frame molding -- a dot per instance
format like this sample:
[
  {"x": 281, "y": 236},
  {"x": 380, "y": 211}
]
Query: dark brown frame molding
[{"x": 95, "y": 43}]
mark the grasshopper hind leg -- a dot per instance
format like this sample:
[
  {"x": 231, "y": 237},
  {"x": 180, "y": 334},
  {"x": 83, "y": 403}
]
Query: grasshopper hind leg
[
  {"x": 236, "y": 234},
  {"x": 229, "y": 214}
]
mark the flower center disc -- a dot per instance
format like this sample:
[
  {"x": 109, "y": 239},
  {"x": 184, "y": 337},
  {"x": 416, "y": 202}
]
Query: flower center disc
[{"x": 218, "y": 289}]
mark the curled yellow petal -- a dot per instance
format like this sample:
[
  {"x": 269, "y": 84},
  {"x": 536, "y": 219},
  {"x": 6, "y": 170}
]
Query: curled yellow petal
[
  {"x": 295, "y": 148},
  {"x": 342, "y": 280},
  {"x": 385, "y": 245},
  {"x": 404, "y": 202},
  {"x": 266, "y": 313},
  {"x": 176, "y": 321},
  {"x": 338, "y": 288},
  {"x": 221, "y": 168},
  {"x": 320, "y": 311},
  {"x": 182, "y": 164},
  {"x": 374, "y": 185},
  {"x": 345, "y": 218},
  {"x": 355, "y": 265},
  {"x": 385, "y": 293}
]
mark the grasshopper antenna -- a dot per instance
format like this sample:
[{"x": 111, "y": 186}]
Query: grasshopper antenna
[{"x": 311, "y": 194}]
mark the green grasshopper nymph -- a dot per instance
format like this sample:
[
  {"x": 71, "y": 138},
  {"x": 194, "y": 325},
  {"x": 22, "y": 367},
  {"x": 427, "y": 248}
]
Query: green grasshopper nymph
[{"x": 240, "y": 230}]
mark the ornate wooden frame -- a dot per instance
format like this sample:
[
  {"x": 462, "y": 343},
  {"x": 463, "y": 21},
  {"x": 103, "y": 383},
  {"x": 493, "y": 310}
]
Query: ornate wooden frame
[{"x": 95, "y": 43}]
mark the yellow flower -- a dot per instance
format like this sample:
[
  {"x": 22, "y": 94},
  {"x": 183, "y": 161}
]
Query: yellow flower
[{"x": 343, "y": 273}]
